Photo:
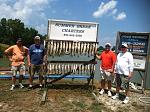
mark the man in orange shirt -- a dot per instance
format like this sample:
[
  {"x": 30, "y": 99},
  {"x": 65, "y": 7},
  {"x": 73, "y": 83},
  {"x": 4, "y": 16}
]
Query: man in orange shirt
[
  {"x": 108, "y": 59},
  {"x": 16, "y": 54}
]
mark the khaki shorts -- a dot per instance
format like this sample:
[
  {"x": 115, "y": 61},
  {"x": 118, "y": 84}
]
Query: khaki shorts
[
  {"x": 21, "y": 68},
  {"x": 106, "y": 75},
  {"x": 36, "y": 69},
  {"x": 122, "y": 81}
]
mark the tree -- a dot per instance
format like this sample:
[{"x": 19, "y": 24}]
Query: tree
[
  {"x": 113, "y": 48},
  {"x": 11, "y": 29}
]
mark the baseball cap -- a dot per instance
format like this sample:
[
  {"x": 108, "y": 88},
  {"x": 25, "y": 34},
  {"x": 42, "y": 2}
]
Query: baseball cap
[
  {"x": 19, "y": 40},
  {"x": 124, "y": 45},
  {"x": 37, "y": 37},
  {"x": 108, "y": 44}
]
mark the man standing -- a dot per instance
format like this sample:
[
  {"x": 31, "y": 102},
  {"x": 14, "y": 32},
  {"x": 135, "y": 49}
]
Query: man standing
[
  {"x": 37, "y": 55},
  {"x": 108, "y": 59},
  {"x": 124, "y": 71},
  {"x": 16, "y": 54}
]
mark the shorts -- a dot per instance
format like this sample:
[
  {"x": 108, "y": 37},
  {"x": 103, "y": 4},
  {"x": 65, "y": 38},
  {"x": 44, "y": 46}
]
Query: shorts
[
  {"x": 122, "y": 81},
  {"x": 21, "y": 68},
  {"x": 36, "y": 69},
  {"x": 106, "y": 75}
]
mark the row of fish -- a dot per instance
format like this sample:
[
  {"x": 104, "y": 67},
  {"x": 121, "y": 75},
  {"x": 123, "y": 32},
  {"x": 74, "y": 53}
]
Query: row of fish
[
  {"x": 58, "y": 48},
  {"x": 55, "y": 68}
]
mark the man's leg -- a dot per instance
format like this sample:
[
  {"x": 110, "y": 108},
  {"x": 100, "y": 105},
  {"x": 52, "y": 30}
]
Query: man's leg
[
  {"x": 41, "y": 71},
  {"x": 31, "y": 71},
  {"x": 109, "y": 88},
  {"x": 102, "y": 82},
  {"x": 118, "y": 81},
  {"x": 22, "y": 71},
  {"x": 14, "y": 80},
  {"x": 14, "y": 72},
  {"x": 126, "y": 100}
]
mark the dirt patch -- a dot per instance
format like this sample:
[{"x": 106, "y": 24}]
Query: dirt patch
[
  {"x": 134, "y": 105},
  {"x": 64, "y": 97},
  {"x": 60, "y": 98}
]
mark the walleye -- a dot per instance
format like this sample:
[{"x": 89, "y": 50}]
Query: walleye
[
  {"x": 84, "y": 48},
  {"x": 60, "y": 48},
  {"x": 51, "y": 48}
]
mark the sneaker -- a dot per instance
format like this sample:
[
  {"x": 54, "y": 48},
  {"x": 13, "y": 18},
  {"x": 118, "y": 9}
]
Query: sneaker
[
  {"x": 115, "y": 96},
  {"x": 126, "y": 100},
  {"x": 101, "y": 92},
  {"x": 12, "y": 87},
  {"x": 21, "y": 86},
  {"x": 109, "y": 93},
  {"x": 40, "y": 85},
  {"x": 30, "y": 86}
]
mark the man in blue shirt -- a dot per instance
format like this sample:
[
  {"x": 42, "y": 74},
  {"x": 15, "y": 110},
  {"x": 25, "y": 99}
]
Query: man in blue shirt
[{"x": 37, "y": 54}]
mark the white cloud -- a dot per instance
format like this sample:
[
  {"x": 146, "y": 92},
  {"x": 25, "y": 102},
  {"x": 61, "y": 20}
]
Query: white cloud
[
  {"x": 29, "y": 11},
  {"x": 121, "y": 16},
  {"x": 114, "y": 11},
  {"x": 109, "y": 9},
  {"x": 105, "y": 8},
  {"x": 41, "y": 28}
]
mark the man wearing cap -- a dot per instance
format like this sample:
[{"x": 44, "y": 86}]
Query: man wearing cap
[
  {"x": 37, "y": 55},
  {"x": 108, "y": 59},
  {"x": 124, "y": 71},
  {"x": 16, "y": 54}
]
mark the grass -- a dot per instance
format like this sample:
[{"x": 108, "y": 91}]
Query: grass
[
  {"x": 4, "y": 62},
  {"x": 95, "y": 107}
]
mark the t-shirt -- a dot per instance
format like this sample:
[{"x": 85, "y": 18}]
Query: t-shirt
[
  {"x": 124, "y": 63},
  {"x": 107, "y": 59},
  {"x": 18, "y": 54},
  {"x": 36, "y": 54}
]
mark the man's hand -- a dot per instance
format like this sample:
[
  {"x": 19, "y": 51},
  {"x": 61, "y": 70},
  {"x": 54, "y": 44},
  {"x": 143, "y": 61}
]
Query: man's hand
[{"x": 130, "y": 75}]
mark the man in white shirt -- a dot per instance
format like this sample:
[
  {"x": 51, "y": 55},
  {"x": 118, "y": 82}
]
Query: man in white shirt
[{"x": 124, "y": 71}]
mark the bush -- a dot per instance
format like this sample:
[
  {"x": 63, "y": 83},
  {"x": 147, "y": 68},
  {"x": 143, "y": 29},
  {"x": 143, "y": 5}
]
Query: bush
[{"x": 2, "y": 49}]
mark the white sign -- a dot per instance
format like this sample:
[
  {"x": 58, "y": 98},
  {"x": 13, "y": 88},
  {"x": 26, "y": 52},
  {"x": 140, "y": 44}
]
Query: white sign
[
  {"x": 139, "y": 62},
  {"x": 72, "y": 30}
]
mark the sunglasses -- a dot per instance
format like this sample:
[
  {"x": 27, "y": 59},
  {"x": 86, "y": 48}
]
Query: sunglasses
[
  {"x": 107, "y": 46},
  {"x": 123, "y": 47}
]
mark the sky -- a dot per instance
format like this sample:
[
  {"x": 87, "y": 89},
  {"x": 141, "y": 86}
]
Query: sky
[{"x": 111, "y": 15}]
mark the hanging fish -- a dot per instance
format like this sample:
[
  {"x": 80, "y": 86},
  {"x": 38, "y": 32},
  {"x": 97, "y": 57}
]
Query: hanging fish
[
  {"x": 88, "y": 69},
  {"x": 51, "y": 47},
  {"x": 75, "y": 48},
  {"x": 72, "y": 48},
  {"x": 60, "y": 48},
  {"x": 69, "y": 47},
  {"x": 82, "y": 48},
  {"x": 78, "y": 49},
  {"x": 95, "y": 48},
  {"x": 52, "y": 68},
  {"x": 57, "y": 47},
  {"x": 84, "y": 51},
  {"x": 87, "y": 47},
  {"x": 62, "y": 70},
  {"x": 64, "y": 47}
]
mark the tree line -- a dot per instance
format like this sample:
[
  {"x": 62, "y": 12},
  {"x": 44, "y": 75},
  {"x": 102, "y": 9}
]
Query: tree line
[{"x": 11, "y": 29}]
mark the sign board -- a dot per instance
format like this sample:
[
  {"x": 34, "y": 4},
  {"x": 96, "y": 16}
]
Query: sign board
[
  {"x": 137, "y": 44},
  {"x": 139, "y": 62},
  {"x": 72, "y": 30}
]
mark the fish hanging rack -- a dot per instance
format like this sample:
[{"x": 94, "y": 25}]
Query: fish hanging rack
[
  {"x": 75, "y": 49},
  {"x": 72, "y": 48}
]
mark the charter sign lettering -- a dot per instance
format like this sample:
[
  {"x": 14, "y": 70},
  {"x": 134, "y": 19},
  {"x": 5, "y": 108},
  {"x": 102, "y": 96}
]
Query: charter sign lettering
[{"x": 72, "y": 30}]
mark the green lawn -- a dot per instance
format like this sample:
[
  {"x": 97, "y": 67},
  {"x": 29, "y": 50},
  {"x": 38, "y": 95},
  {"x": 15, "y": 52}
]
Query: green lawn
[{"x": 4, "y": 62}]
